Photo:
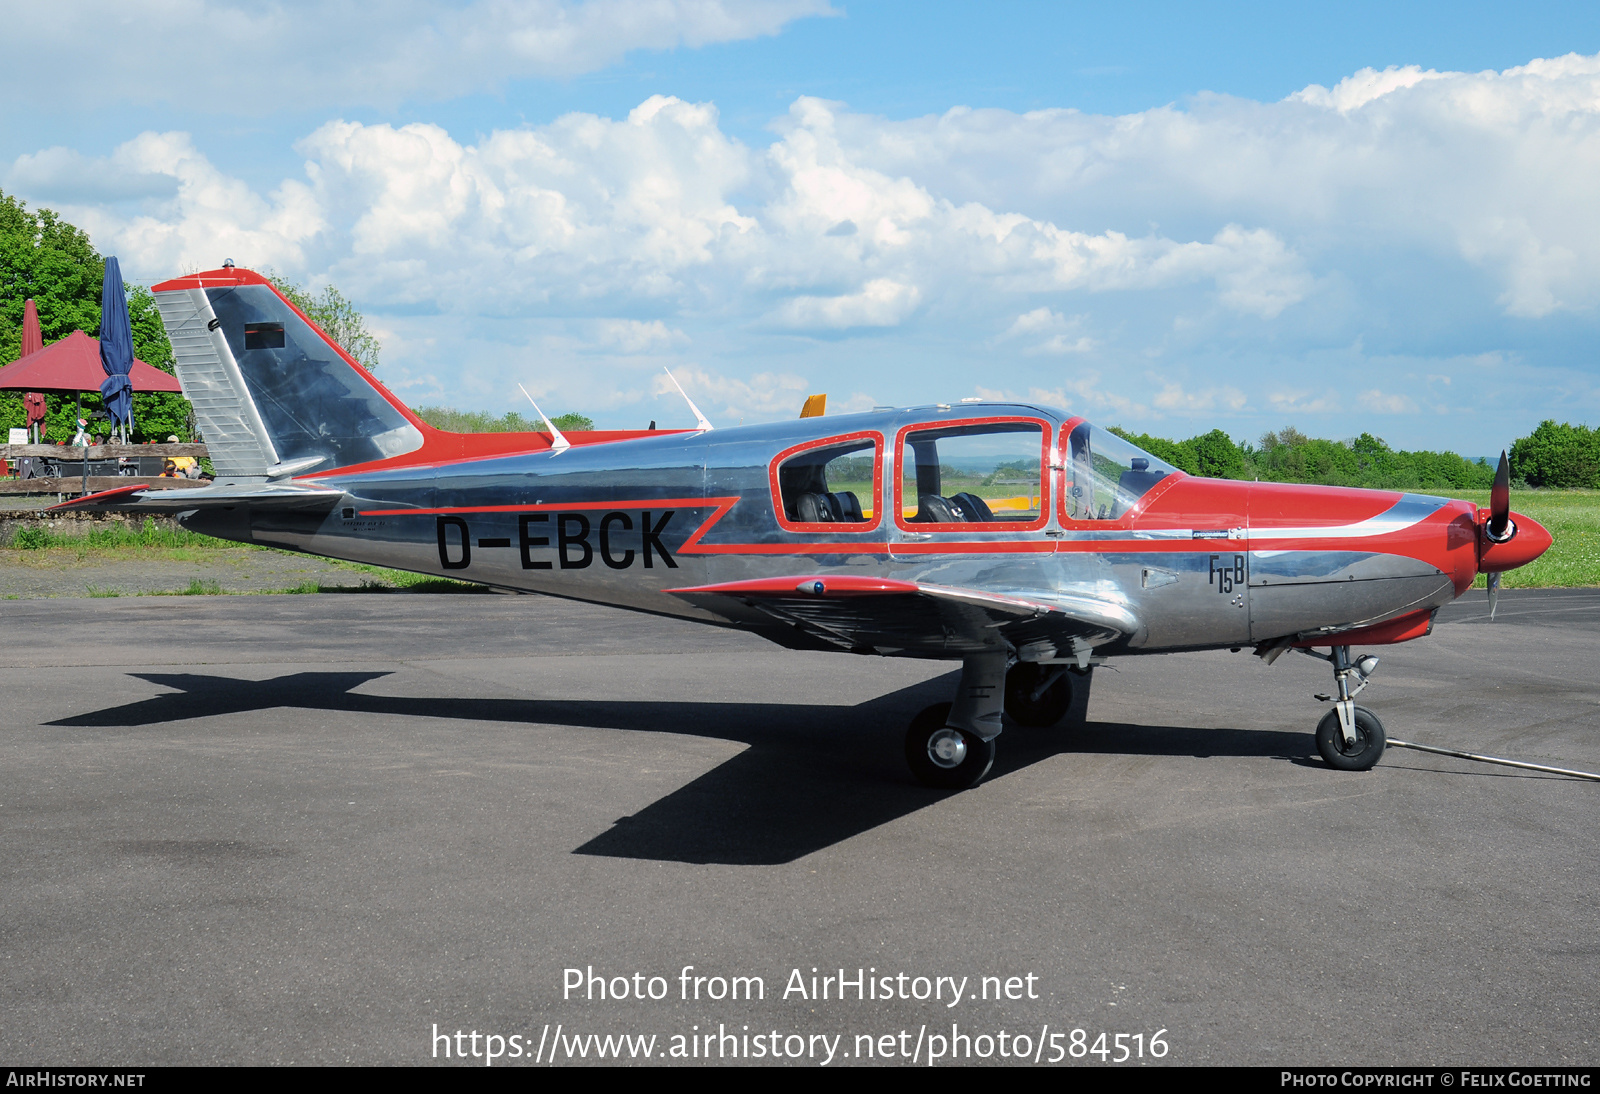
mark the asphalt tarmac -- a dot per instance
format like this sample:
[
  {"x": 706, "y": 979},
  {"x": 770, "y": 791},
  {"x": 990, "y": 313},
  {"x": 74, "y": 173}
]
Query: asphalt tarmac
[{"x": 330, "y": 829}]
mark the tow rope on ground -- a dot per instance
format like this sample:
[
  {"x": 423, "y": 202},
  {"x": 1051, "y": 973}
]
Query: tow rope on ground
[{"x": 1496, "y": 760}]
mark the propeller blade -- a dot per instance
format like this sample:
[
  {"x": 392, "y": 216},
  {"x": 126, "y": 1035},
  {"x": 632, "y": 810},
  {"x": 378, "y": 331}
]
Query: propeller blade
[
  {"x": 1494, "y": 594},
  {"x": 1500, "y": 499}
]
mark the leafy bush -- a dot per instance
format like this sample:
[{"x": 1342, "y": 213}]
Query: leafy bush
[
  {"x": 1558, "y": 455},
  {"x": 477, "y": 421},
  {"x": 114, "y": 535},
  {"x": 30, "y": 538},
  {"x": 1288, "y": 455}
]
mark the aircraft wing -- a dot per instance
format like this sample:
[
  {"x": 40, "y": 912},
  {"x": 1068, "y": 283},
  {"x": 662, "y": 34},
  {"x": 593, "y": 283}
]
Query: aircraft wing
[
  {"x": 885, "y": 616},
  {"x": 258, "y": 495}
]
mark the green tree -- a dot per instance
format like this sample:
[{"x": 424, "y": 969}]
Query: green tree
[
  {"x": 1562, "y": 455},
  {"x": 1213, "y": 454},
  {"x": 44, "y": 258},
  {"x": 49, "y": 260},
  {"x": 160, "y": 414},
  {"x": 1179, "y": 455},
  {"x": 337, "y": 317},
  {"x": 478, "y": 421},
  {"x": 1289, "y": 455},
  {"x": 1218, "y": 456}
]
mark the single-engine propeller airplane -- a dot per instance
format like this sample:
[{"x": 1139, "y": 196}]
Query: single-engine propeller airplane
[{"x": 1021, "y": 540}]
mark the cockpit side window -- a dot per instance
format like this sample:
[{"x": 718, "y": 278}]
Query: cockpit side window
[
  {"x": 1105, "y": 475},
  {"x": 832, "y": 485},
  {"x": 983, "y": 471}
]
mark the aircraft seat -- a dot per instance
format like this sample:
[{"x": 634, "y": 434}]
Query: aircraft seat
[
  {"x": 972, "y": 507},
  {"x": 1134, "y": 483},
  {"x": 932, "y": 509},
  {"x": 846, "y": 507},
  {"x": 811, "y": 508}
]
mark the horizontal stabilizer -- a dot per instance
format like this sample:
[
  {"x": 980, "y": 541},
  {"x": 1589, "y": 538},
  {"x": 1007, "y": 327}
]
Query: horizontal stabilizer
[
  {"x": 887, "y": 615},
  {"x": 141, "y": 499}
]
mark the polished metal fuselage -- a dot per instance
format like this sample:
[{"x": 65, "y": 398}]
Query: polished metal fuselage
[{"x": 625, "y": 523}]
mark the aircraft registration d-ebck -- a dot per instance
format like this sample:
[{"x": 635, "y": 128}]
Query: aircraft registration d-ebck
[{"x": 1020, "y": 540}]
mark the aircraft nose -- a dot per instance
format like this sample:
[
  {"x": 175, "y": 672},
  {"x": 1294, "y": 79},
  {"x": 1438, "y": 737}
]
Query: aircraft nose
[{"x": 1531, "y": 540}]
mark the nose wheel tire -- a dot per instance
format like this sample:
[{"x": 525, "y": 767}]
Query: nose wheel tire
[
  {"x": 1049, "y": 708},
  {"x": 942, "y": 756},
  {"x": 1369, "y": 744}
]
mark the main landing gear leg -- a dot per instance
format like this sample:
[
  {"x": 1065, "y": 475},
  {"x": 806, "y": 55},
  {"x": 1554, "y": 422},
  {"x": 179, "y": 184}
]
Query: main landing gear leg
[
  {"x": 1349, "y": 737},
  {"x": 951, "y": 746}
]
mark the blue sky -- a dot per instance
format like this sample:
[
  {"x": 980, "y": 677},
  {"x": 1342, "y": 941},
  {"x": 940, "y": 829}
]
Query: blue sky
[{"x": 1378, "y": 217}]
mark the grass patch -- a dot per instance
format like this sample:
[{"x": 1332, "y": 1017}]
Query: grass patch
[
  {"x": 116, "y": 535},
  {"x": 384, "y": 580},
  {"x": 1573, "y": 520},
  {"x": 197, "y": 587},
  {"x": 392, "y": 581}
]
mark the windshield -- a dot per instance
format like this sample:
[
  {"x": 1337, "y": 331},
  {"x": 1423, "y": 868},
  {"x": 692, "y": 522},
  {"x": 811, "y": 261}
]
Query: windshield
[{"x": 1106, "y": 476}]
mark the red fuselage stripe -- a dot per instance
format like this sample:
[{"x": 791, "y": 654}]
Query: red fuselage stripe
[{"x": 1406, "y": 541}]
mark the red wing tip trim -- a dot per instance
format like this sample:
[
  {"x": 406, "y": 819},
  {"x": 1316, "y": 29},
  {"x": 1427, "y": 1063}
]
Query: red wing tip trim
[
  {"x": 104, "y": 495},
  {"x": 807, "y": 586}
]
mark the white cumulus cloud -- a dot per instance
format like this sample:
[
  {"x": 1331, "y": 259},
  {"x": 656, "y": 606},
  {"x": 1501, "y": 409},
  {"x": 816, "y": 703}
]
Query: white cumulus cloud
[
  {"x": 252, "y": 58},
  {"x": 1238, "y": 247}
]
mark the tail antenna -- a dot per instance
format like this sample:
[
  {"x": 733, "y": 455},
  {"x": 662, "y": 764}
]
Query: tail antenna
[
  {"x": 700, "y": 419},
  {"x": 558, "y": 442}
]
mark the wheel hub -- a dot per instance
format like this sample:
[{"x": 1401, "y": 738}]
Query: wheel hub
[{"x": 947, "y": 748}]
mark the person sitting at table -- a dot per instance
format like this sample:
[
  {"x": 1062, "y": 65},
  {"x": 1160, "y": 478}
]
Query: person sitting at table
[{"x": 187, "y": 467}]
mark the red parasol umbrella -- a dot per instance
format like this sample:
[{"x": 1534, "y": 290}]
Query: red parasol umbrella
[
  {"x": 31, "y": 340},
  {"x": 73, "y": 364},
  {"x": 33, "y": 402}
]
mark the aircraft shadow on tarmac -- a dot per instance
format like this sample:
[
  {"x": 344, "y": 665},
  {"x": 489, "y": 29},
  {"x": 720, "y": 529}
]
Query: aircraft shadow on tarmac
[{"x": 812, "y": 776}]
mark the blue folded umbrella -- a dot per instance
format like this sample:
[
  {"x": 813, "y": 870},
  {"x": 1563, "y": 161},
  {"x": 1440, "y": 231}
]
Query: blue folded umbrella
[{"x": 116, "y": 347}]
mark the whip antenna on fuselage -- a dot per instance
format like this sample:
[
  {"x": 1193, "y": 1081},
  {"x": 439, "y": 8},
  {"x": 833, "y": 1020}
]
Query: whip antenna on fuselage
[
  {"x": 700, "y": 419},
  {"x": 558, "y": 442}
]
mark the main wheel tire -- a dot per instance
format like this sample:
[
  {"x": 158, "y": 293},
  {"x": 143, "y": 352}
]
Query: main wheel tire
[
  {"x": 1044, "y": 711},
  {"x": 942, "y": 756},
  {"x": 1370, "y": 741}
]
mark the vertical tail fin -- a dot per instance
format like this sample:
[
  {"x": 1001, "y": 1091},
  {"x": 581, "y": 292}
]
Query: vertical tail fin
[{"x": 272, "y": 395}]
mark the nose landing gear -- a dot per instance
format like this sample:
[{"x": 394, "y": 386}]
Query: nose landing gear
[
  {"x": 1351, "y": 755},
  {"x": 1350, "y": 738}
]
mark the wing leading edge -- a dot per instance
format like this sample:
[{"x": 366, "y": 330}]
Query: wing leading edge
[{"x": 886, "y": 616}]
